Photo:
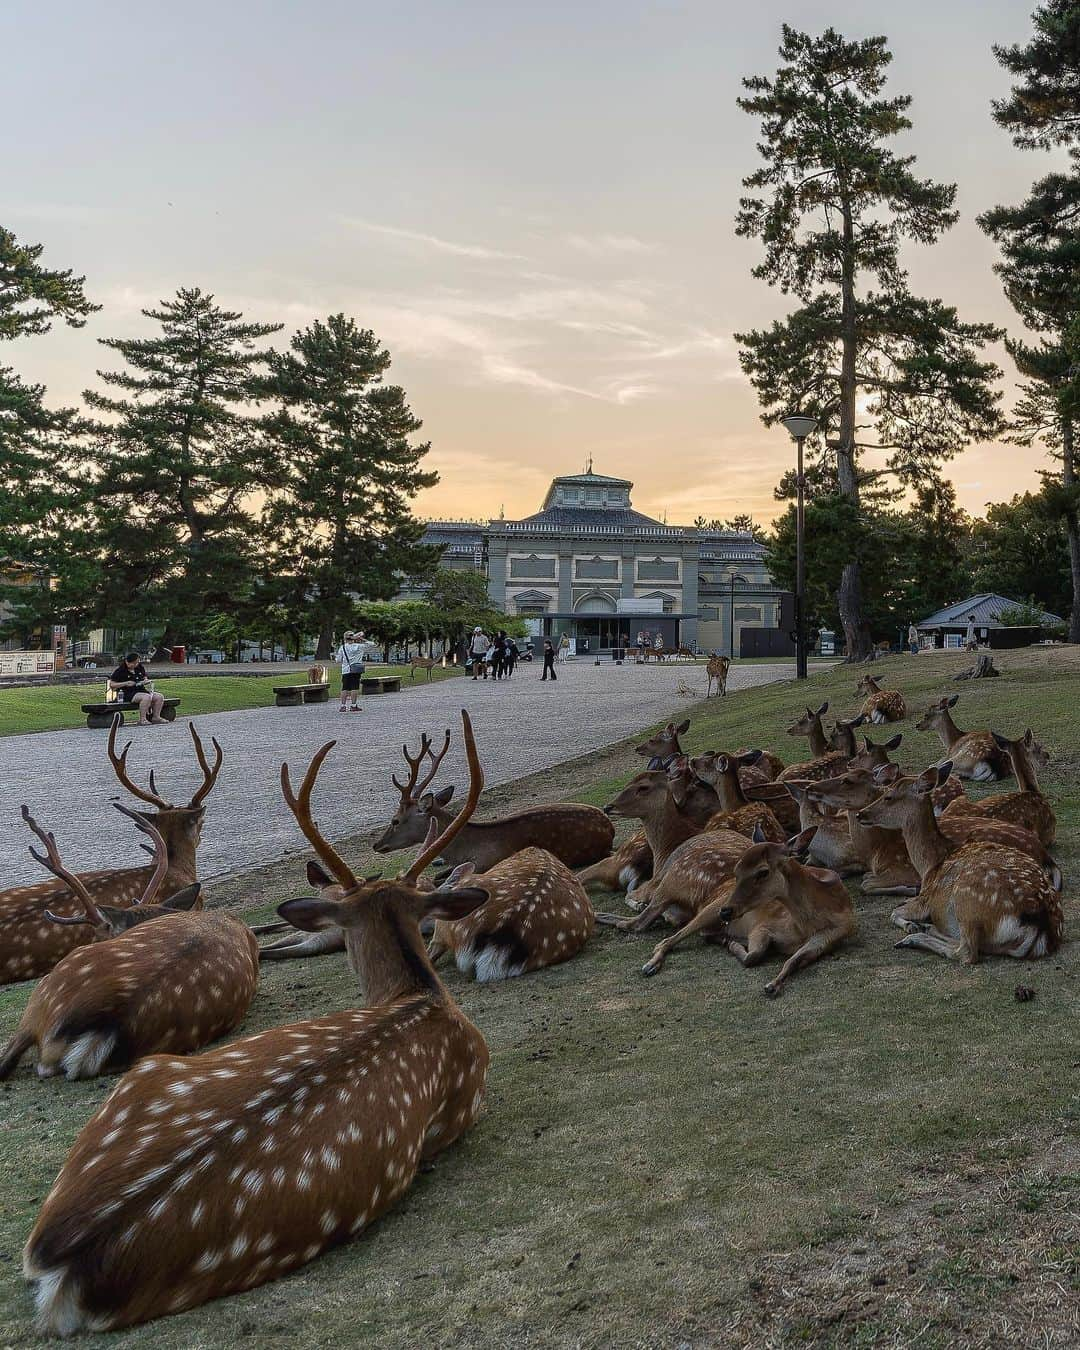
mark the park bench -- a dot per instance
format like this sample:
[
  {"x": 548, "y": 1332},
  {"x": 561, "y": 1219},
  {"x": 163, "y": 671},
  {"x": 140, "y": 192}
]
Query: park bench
[
  {"x": 292, "y": 695},
  {"x": 380, "y": 684},
  {"x": 101, "y": 714}
]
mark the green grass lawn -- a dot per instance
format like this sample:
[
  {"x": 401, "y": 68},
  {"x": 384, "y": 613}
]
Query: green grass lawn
[
  {"x": 886, "y": 1156},
  {"x": 55, "y": 706}
]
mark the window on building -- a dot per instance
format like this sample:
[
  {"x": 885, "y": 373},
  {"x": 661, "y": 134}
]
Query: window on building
[
  {"x": 748, "y": 613},
  {"x": 658, "y": 569},
  {"x": 708, "y": 614},
  {"x": 532, "y": 566},
  {"x": 597, "y": 569}
]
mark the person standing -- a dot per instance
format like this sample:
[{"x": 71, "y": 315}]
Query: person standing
[
  {"x": 564, "y": 646},
  {"x": 913, "y": 639},
  {"x": 640, "y": 647},
  {"x": 129, "y": 682},
  {"x": 549, "y": 660},
  {"x": 969, "y": 636},
  {"x": 511, "y": 656},
  {"x": 350, "y": 656},
  {"x": 478, "y": 649},
  {"x": 498, "y": 654}
]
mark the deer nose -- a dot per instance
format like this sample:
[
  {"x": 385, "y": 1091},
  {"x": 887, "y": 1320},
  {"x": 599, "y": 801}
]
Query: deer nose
[
  {"x": 727, "y": 913},
  {"x": 609, "y": 810}
]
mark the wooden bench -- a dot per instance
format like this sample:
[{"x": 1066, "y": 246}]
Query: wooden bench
[
  {"x": 101, "y": 714},
  {"x": 292, "y": 695},
  {"x": 380, "y": 684}
]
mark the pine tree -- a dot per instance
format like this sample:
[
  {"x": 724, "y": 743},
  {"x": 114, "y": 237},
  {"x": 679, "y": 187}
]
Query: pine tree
[
  {"x": 177, "y": 461},
  {"x": 339, "y": 517},
  {"x": 1040, "y": 267},
  {"x": 881, "y": 369}
]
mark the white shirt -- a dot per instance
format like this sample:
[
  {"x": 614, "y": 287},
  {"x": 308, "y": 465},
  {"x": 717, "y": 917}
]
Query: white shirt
[{"x": 349, "y": 653}]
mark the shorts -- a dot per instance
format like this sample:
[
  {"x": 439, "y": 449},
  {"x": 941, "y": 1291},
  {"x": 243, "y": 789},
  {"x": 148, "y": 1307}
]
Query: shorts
[{"x": 350, "y": 683}]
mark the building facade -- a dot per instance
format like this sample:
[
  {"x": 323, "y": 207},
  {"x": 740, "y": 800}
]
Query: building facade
[{"x": 589, "y": 565}]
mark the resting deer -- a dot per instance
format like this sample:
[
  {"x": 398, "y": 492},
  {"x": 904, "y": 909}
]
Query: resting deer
[
  {"x": 882, "y": 705},
  {"x": 980, "y": 899},
  {"x": 826, "y": 763},
  {"x": 772, "y": 766},
  {"x": 624, "y": 870},
  {"x": 973, "y": 754},
  {"x": 201, "y": 1177},
  {"x": 721, "y": 772},
  {"x": 1027, "y": 807},
  {"x": 773, "y": 901},
  {"x": 576, "y": 834},
  {"x": 688, "y": 865},
  {"x": 663, "y": 746},
  {"x": 156, "y": 978},
  {"x": 842, "y": 736},
  {"x": 874, "y": 757},
  {"x": 694, "y": 798},
  {"x": 830, "y": 845},
  {"x": 30, "y": 944},
  {"x": 717, "y": 671}
]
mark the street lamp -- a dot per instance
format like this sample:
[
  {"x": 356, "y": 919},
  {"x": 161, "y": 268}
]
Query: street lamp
[{"x": 799, "y": 427}]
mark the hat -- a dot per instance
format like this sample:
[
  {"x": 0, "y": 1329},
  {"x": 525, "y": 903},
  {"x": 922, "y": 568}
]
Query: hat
[{"x": 478, "y": 629}]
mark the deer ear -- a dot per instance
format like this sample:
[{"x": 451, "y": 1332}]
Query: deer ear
[
  {"x": 952, "y": 702},
  {"x": 683, "y": 727},
  {"x": 747, "y": 757},
  {"x": 857, "y": 721},
  {"x": 894, "y": 742},
  {"x": 185, "y": 899},
  {"x": 310, "y": 913},
  {"x": 758, "y": 837},
  {"x": 943, "y": 772},
  {"x": 1028, "y": 737},
  {"x": 447, "y": 904},
  {"x": 926, "y": 781},
  {"x": 800, "y": 844},
  {"x": 868, "y": 743},
  {"x": 823, "y": 709},
  {"x": 1002, "y": 741},
  {"x": 724, "y": 762},
  {"x": 318, "y": 876},
  {"x": 797, "y": 788},
  {"x": 458, "y": 876},
  {"x": 886, "y": 773},
  {"x": 677, "y": 786},
  {"x": 444, "y": 794}
]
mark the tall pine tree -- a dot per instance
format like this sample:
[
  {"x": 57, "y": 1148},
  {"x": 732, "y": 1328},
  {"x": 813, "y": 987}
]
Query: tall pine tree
[
  {"x": 1040, "y": 267},
  {"x": 178, "y": 459},
  {"x": 881, "y": 369},
  {"x": 339, "y": 519}
]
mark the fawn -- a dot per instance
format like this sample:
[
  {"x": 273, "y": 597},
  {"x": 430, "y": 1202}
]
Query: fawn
[
  {"x": 881, "y": 705},
  {"x": 721, "y": 772},
  {"x": 973, "y": 754},
  {"x": 1027, "y": 806}
]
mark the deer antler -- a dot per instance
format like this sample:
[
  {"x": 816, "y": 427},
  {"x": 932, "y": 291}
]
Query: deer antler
[
  {"x": 433, "y": 847},
  {"x": 413, "y": 791},
  {"x": 209, "y": 774},
  {"x": 51, "y": 861},
  {"x": 119, "y": 763},
  {"x": 158, "y": 852},
  {"x": 300, "y": 806}
]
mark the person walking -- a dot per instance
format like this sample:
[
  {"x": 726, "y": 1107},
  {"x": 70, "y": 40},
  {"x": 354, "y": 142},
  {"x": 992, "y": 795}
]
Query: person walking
[
  {"x": 913, "y": 639},
  {"x": 130, "y": 685},
  {"x": 511, "y": 656},
  {"x": 549, "y": 660},
  {"x": 498, "y": 654},
  {"x": 478, "y": 650},
  {"x": 350, "y": 656},
  {"x": 970, "y": 641},
  {"x": 640, "y": 644},
  {"x": 564, "y": 646}
]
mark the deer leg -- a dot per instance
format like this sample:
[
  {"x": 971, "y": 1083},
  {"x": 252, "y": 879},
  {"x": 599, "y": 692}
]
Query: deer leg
[
  {"x": 705, "y": 918},
  {"x": 812, "y": 950},
  {"x": 933, "y": 941},
  {"x": 757, "y": 945},
  {"x": 881, "y": 885},
  {"x": 635, "y": 923},
  {"x": 304, "y": 944},
  {"x": 911, "y": 917}
]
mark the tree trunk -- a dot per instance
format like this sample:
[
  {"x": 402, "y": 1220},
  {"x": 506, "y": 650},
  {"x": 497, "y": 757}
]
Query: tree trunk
[
  {"x": 1072, "y": 526},
  {"x": 323, "y": 650}
]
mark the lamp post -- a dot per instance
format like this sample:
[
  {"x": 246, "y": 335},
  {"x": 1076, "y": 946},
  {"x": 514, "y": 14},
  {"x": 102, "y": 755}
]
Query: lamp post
[
  {"x": 799, "y": 427},
  {"x": 731, "y": 614}
]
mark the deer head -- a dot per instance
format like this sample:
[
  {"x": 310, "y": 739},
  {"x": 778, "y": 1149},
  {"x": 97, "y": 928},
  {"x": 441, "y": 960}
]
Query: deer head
[
  {"x": 410, "y": 822},
  {"x": 848, "y": 792},
  {"x": 1027, "y": 756},
  {"x": 809, "y": 722},
  {"x": 842, "y": 736},
  {"x": 905, "y": 802},
  {"x": 937, "y": 714},
  {"x": 766, "y": 872},
  {"x": 873, "y": 756},
  {"x": 644, "y": 794},
  {"x": 713, "y": 766},
  {"x": 868, "y": 685},
  {"x": 664, "y": 744},
  {"x": 380, "y": 917}
]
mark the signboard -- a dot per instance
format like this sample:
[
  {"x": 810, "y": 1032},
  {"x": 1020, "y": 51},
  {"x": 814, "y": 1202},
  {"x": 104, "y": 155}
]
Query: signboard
[{"x": 27, "y": 663}]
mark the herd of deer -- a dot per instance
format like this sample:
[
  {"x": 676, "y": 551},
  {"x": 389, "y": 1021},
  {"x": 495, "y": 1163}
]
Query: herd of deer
[{"x": 202, "y": 1175}]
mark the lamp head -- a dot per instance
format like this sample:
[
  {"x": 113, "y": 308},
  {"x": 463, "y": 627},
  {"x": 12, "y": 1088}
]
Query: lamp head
[{"x": 799, "y": 427}]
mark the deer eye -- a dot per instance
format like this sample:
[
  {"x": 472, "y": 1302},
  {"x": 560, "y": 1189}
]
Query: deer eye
[{"x": 761, "y": 873}]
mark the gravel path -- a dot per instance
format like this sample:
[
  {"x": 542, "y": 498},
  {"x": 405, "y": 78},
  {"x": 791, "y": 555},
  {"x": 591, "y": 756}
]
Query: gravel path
[{"x": 521, "y": 725}]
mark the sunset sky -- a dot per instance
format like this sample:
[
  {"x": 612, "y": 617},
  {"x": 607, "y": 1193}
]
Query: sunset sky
[{"x": 531, "y": 205}]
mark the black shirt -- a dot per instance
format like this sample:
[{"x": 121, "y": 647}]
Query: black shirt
[{"x": 122, "y": 673}]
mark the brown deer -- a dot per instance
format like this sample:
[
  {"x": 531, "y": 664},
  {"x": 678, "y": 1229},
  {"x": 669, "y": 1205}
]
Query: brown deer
[
  {"x": 717, "y": 671},
  {"x": 826, "y": 763},
  {"x": 1027, "y": 807},
  {"x": 694, "y": 798},
  {"x": 830, "y": 845},
  {"x": 881, "y": 705},
  {"x": 842, "y": 736},
  {"x": 317, "y": 675},
  {"x": 624, "y": 870},
  {"x": 773, "y": 901},
  {"x": 663, "y": 746},
  {"x": 576, "y": 834},
  {"x": 157, "y": 978},
  {"x": 980, "y": 899},
  {"x": 973, "y": 754},
  {"x": 721, "y": 772},
  {"x": 427, "y": 663},
  {"x": 688, "y": 865},
  {"x": 30, "y": 944},
  {"x": 537, "y": 914},
  {"x": 201, "y": 1177},
  {"x": 772, "y": 766},
  {"x": 873, "y": 757}
]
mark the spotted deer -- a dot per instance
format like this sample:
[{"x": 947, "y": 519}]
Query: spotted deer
[
  {"x": 203, "y": 1176},
  {"x": 881, "y": 705},
  {"x": 427, "y": 663},
  {"x": 773, "y": 901},
  {"x": 157, "y": 977},
  {"x": 826, "y": 763},
  {"x": 830, "y": 845},
  {"x": 876, "y": 756},
  {"x": 576, "y": 834},
  {"x": 688, "y": 864},
  {"x": 663, "y": 746},
  {"x": 842, "y": 736},
  {"x": 978, "y": 900},
  {"x": 973, "y": 754},
  {"x": 717, "y": 671},
  {"x": 30, "y": 944},
  {"x": 721, "y": 772},
  {"x": 624, "y": 870},
  {"x": 1027, "y": 806}
]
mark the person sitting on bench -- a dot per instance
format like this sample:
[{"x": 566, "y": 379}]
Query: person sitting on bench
[{"x": 129, "y": 681}]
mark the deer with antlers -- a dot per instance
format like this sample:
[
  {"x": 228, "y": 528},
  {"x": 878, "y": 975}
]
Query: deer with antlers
[
  {"x": 973, "y": 754},
  {"x": 253, "y": 1159},
  {"x": 1027, "y": 806},
  {"x": 978, "y": 900},
  {"x": 30, "y": 944},
  {"x": 881, "y": 705},
  {"x": 772, "y": 902},
  {"x": 576, "y": 834},
  {"x": 157, "y": 977}
]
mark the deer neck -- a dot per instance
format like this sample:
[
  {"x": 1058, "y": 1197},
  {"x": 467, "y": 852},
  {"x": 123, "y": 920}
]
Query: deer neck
[
  {"x": 729, "y": 789},
  {"x": 818, "y": 744},
  {"x": 927, "y": 847},
  {"x": 1022, "y": 768},
  {"x": 390, "y": 959},
  {"x": 803, "y": 891},
  {"x": 869, "y": 840},
  {"x": 460, "y": 849},
  {"x": 666, "y": 828},
  {"x": 947, "y": 729}
]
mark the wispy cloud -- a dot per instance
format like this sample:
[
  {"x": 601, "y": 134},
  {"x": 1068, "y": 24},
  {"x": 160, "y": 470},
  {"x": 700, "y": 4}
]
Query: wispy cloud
[
  {"x": 432, "y": 241},
  {"x": 609, "y": 245}
]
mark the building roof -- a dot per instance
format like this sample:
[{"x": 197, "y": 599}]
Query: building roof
[
  {"x": 590, "y": 479},
  {"x": 985, "y": 607},
  {"x": 560, "y": 517}
]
